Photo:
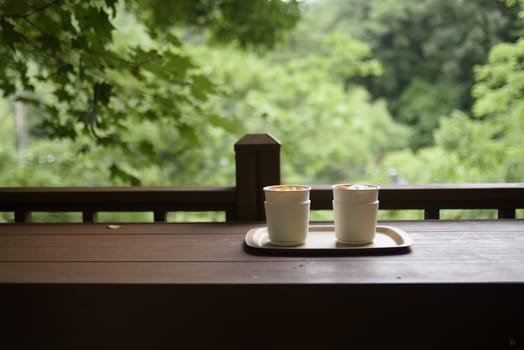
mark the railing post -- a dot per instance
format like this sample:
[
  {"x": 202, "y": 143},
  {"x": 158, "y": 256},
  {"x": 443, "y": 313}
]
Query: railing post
[
  {"x": 257, "y": 158},
  {"x": 160, "y": 215},
  {"x": 506, "y": 213},
  {"x": 431, "y": 214},
  {"x": 89, "y": 216},
  {"x": 22, "y": 216}
]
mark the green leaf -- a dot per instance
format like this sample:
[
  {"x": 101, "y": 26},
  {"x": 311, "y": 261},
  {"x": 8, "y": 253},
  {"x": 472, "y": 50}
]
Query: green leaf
[
  {"x": 49, "y": 43},
  {"x": 100, "y": 22},
  {"x": 52, "y": 24},
  {"x": 117, "y": 172},
  {"x": 9, "y": 35},
  {"x": 147, "y": 148},
  {"x": 102, "y": 92},
  {"x": 201, "y": 87},
  {"x": 28, "y": 100},
  {"x": 189, "y": 134},
  {"x": 62, "y": 94},
  {"x": 7, "y": 88},
  {"x": 219, "y": 121},
  {"x": 111, "y": 4}
]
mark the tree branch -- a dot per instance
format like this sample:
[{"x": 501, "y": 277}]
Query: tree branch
[{"x": 35, "y": 10}]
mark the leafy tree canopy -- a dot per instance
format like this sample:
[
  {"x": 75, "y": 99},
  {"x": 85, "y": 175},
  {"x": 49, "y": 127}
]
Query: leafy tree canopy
[
  {"x": 427, "y": 48},
  {"x": 484, "y": 144},
  {"x": 77, "y": 64}
]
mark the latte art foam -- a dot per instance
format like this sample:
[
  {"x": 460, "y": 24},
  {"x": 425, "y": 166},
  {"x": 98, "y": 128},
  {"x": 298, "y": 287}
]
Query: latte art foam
[
  {"x": 288, "y": 188},
  {"x": 357, "y": 187}
]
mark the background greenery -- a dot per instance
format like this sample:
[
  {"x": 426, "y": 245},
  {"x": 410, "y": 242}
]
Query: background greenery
[{"x": 156, "y": 93}]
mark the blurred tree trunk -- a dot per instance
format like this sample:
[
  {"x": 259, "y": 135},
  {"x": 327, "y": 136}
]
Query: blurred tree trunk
[{"x": 21, "y": 127}]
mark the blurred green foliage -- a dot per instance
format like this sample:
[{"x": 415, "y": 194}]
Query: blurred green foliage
[
  {"x": 157, "y": 93},
  {"x": 428, "y": 49},
  {"x": 485, "y": 143},
  {"x": 102, "y": 67}
]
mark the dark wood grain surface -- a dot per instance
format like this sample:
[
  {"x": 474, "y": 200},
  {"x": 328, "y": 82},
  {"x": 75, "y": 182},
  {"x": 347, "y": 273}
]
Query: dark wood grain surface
[
  {"x": 472, "y": 251},
  {"x": 189, "y": 286}
]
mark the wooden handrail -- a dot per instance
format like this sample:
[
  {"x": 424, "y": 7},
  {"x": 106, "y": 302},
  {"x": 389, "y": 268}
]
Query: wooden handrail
[
  {"x": 257, "y": 165},
  {"x": 504, "y": 197},
  {"x": 91, "y": 200}
]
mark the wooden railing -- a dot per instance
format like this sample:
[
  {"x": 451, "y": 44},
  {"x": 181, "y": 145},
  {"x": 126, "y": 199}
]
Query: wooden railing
[
  {"x": 505, "y": 198},
  {"x": 257, "y": 165}
]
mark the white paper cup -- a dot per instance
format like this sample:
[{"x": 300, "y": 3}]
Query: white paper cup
[
  {"x": 355, "y": 223},
  {"x": 287, "y": 193},
  {"x": 287, "y": 223},
  {"x": 355, "y": 209}
]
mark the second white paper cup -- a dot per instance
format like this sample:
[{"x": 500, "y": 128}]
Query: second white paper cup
[
  {"x": 355, "y": 223},
  {"x": 287, "y": 223}
]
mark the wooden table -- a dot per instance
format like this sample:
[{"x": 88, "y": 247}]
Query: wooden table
[{"x": 194, "y": 285}]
